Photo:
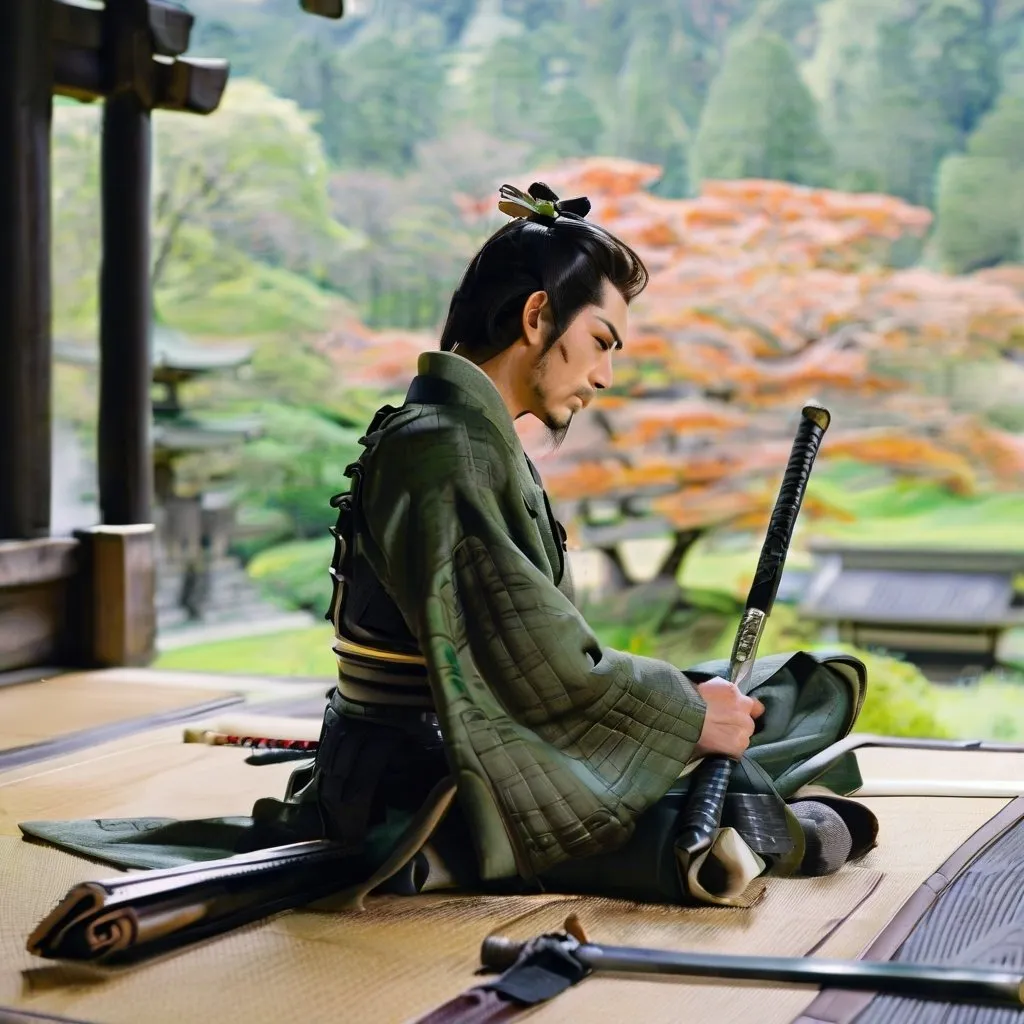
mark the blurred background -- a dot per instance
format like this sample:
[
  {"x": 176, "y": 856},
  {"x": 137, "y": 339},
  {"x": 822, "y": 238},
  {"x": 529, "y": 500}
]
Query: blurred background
[{"x": 830, "y": 197}]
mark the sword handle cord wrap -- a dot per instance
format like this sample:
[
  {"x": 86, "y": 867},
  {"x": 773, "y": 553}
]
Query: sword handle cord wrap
[
  {"x": 704, "y": 805},
  {"x": 787, "y": 507}
]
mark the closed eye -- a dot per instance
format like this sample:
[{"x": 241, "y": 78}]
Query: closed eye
[{"x": 605, "y": 344}]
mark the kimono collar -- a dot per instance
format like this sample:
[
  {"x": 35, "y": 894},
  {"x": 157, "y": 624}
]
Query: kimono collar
[{"x": 472, "y": 387}]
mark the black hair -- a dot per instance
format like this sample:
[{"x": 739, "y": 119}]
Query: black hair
[{"x": 565, "y": 256}]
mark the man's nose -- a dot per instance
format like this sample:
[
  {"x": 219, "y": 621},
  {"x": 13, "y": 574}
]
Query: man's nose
[{"x": 601, "y": 377}]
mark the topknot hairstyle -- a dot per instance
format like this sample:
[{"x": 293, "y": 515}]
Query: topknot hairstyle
[{"x": 549, "y": 247}]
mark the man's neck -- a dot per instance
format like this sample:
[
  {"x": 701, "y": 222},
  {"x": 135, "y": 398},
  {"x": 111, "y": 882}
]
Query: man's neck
[{"x": 504, "y": 373}]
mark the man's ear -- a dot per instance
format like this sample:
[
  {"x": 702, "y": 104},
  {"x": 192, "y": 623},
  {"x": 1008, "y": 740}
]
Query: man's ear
[{"x": 536, "y": 318}]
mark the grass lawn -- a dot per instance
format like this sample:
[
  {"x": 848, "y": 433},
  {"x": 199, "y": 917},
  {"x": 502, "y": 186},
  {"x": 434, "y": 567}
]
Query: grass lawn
[
  {"x": 994, "y": 709},
  {"x": 911, "y": 513},
  {"x": 301, "y": 652}
]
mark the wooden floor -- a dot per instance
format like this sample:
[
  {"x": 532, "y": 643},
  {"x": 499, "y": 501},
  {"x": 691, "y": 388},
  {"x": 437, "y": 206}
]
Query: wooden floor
[{"x": 403, "y": 956}]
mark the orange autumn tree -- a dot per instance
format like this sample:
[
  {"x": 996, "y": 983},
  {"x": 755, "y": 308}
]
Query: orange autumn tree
[{"x": 763, "y": 294}]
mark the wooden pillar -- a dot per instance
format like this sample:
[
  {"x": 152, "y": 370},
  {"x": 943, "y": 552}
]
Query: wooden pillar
[
  {"x": 25, "y": 113},
  {"x": 115, "y": 597},
  {"x": 125, "y": 465}
]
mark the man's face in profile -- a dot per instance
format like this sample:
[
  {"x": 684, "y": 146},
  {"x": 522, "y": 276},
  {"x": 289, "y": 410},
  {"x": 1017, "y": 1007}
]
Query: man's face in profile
[{"x": 576, "y": 365}]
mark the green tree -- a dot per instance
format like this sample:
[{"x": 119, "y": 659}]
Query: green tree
[
  {"x": 794, "y": 20},
  {"x": 760, "y": 119},
  {"x": 242, "y": 232},
  {"x": 656, "y": 104},
  {"x": 980, "y": 194},
  {"x": 253, "y": 177},
  {"x": 527, "y": 82},
  {"x": 900, "y": 86},
  {"x": 1011, "y": 70},
  {"x": 505, "y": 92},
  {"x": 419, "y": 243},
  {"x": 954, "y": 59},
  {"x": 381, "y": 98},
  {"x": 572, "y": 123},
  {"x": 296, "y": 465},
  {"x": 76, "y": 217},
  {"x": 977, "y": 223}
]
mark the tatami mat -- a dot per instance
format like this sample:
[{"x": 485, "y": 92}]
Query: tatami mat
[
  {"x": 400, "y": 957},
  {"x": 915, "y": 837},
  {"x": 151, "y": 774},
  {"x": 403, "y": 956},
  {"x": 39, "y": 719}
]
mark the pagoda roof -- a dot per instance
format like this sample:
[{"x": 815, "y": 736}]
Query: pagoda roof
[
  {"x": 174, "y": 355},
  {"x": 193, "y": 435},
  {"x": 174, "y": 351}
]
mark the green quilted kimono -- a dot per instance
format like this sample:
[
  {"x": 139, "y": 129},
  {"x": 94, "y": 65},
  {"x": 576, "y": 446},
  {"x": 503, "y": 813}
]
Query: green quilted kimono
[{"x": 557, "y": 743}]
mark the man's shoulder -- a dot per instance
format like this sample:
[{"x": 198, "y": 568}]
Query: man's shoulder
[
  {"x": 443, "y": 440},
  {"x": 438, "y": 426}
]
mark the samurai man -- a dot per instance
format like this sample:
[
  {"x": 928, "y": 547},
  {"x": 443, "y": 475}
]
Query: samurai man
[{"x": 480, "y": 733}]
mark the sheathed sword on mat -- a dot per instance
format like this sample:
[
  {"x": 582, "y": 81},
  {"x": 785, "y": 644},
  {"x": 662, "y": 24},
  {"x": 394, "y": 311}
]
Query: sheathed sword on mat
[
  {"x": 703, "y": 813},
  {"x": 543, "y": 967}
]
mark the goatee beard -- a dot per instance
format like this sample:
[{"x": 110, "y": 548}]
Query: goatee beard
[{"x": 556, "y": 435}]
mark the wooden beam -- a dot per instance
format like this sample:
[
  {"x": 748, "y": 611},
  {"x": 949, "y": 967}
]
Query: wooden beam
[
  {"x": 82, "y": 71},
  {"x": 115, "y": 593},
  {"x": 25, "y": 363},
  {"x": 35, "y": 579},
  {"x": 76, "y": 73},
  {"x": 325, "y": 8},
  {"x": 34, "y": 625},
  {"x": 77, "y": 27},
  {"x": 125, "y": 468},
  {"x": 194, "y": 85},
  {"x": 81, "y": 28},
  {"x": 27, "y": 562},
  {"x": 170, "y": 28}
]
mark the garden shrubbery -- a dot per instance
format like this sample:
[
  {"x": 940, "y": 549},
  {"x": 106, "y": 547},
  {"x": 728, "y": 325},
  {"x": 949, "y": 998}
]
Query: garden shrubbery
[{"x": 295, "y": 574}]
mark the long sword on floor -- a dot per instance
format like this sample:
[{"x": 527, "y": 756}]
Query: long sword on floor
[
  {"x": 543, "y": 967},
  {"x": 703, "y": 813}
]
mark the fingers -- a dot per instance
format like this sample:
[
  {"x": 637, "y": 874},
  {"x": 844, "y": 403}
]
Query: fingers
[{"x": 719, "y": 686}]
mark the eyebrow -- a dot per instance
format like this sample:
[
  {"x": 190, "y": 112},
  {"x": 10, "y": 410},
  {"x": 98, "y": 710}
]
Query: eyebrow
[{"x": 614, "y": 333}]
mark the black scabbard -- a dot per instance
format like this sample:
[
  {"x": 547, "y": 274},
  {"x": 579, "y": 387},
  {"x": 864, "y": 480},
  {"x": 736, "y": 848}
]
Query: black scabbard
[
  {"x": 979, "y": 986},
  {"x": 703, "y": 813}
]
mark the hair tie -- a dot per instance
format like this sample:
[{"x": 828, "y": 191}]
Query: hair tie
[{"x": 540, "y": 204}]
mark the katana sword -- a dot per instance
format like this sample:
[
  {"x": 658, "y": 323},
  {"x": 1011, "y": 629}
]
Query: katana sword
[
  {"x": 944, "y": 983},
  {"x": 703, "y": 813},
  {"x": 222, "y": 739}
]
